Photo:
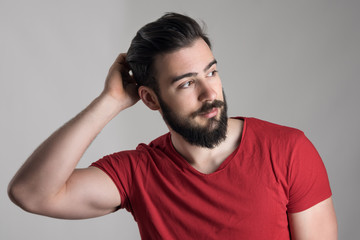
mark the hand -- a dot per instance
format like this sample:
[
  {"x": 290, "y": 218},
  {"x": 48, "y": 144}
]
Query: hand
[{"x": 120, "y": 85}]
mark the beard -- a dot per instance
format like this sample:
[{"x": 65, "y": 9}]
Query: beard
[{"x": 208, "y": 136}]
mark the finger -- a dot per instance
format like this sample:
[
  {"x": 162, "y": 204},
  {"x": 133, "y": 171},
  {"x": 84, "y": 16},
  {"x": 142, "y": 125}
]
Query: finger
[
  {"x": 127, "y": 77},
  {"x": 121, "y": 58},
  {"x": 119, "y": 62},
  {"x": 122, "y": 67}
]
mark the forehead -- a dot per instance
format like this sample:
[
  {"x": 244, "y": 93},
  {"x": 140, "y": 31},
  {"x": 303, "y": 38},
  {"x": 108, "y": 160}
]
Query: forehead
[{"x": 189, "y": 59}]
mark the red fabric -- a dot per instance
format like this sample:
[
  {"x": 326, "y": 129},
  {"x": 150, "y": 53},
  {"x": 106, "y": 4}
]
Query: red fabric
[{"x": 274, "y": 170}]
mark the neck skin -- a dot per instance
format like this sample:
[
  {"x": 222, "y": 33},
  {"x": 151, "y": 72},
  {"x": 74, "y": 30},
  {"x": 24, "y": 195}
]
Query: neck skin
[{"x": 207, "y": 160}]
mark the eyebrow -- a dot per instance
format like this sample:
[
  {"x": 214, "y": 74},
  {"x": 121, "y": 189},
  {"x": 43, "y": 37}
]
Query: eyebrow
[{"x": 193, "y": 74}]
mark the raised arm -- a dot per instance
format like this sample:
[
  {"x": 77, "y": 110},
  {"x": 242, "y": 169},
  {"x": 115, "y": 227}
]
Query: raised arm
[
  {"x": 316, "y": 223},
  {"x": 48, "y": 183}
]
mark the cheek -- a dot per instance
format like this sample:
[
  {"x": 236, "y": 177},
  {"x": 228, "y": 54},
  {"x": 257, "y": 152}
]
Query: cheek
[{"x": 185, "y": 105}]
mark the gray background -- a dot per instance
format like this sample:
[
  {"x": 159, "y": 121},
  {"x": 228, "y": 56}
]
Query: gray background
[{"x": 291, "y": 62}]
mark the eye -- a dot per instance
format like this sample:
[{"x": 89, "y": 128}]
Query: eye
[
  {"x": 186, "y": 84},
  {"x": 212, "y": 73}
]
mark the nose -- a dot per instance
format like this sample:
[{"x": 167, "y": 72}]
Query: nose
[{"x": 207, "y": 92}]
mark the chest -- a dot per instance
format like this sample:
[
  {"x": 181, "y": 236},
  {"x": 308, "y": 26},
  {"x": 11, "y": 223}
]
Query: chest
[{"x": 237, "y": 199}]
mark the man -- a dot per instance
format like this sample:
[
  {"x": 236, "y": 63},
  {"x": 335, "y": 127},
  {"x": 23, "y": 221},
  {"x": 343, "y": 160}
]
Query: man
[{"x": 210, "y": 177}]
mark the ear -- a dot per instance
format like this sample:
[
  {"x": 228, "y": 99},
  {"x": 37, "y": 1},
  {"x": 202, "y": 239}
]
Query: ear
[{"x": 149, "y": 97}]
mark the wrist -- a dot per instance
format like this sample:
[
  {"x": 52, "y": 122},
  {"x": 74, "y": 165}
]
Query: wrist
[
  {"x": 110, "y": 104},
  {"x": 103, "y": 109}
]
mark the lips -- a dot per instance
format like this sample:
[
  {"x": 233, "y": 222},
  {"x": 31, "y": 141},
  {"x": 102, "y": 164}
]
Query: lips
[
  {"x": 210, "y": 114},
  {"x": 209, "y": 110}
]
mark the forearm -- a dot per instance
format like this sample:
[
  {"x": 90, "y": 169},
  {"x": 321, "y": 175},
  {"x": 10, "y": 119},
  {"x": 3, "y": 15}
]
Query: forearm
[{"x": 46, "y": 171}]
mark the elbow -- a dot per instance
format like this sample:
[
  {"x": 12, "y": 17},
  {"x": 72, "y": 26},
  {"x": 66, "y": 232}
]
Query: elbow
[
  {"x": 19, "y": 197},
  {"x": 29, "y": 198},
  {"x": 14, "y": 192}
]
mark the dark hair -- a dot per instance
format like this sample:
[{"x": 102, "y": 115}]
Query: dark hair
[{"x": 167, "y": 34}]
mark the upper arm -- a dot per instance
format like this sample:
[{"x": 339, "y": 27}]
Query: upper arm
[
  {"x": 88, "y": 193},
  {"x": 318, "y": 222}
]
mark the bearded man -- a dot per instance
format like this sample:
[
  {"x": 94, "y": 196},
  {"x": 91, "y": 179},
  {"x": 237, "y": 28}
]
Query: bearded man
[{"x": 209, "y": 177}]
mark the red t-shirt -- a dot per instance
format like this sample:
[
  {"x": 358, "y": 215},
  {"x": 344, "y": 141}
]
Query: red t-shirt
[{"x": 274, "y": 171}]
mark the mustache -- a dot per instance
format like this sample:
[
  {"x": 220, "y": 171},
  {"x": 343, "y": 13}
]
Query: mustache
[{"x": 208, "y": 106}]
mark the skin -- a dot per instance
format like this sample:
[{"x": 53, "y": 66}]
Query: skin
[
  {"x": 49, "y": 184},
  {"x": 317, "y": 222},
  {"x": 187, "y": 96}
]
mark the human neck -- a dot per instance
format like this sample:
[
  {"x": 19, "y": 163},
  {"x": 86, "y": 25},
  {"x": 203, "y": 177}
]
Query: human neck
[{"x": 207, "y": 160}]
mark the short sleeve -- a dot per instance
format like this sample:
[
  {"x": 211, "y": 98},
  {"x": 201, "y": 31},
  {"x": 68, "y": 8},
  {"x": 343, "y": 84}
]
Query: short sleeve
[
  {"x": 120, "y": 167},
  {"x": 308, "y": 180}
]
